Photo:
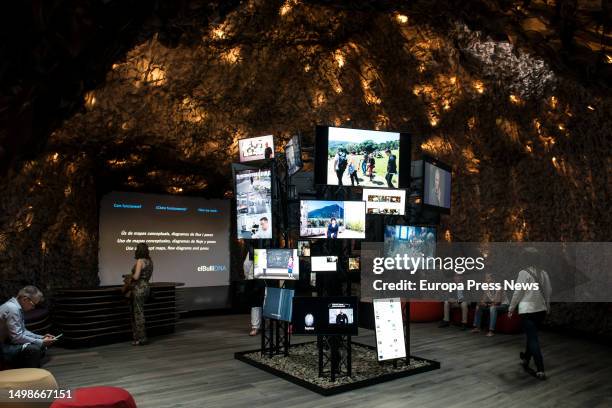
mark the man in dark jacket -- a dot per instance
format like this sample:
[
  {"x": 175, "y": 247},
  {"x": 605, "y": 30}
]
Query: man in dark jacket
[{"x": 391, "y": 168}]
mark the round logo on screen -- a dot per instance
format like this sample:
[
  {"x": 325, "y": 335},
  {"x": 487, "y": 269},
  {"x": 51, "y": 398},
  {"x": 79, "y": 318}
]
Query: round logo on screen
[{"x": 309, "y": 320}]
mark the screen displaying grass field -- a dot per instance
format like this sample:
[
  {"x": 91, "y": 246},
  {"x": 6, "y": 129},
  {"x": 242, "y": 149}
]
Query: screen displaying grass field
[
  {"x": 363, "y": 154},
  {"x": 332, "y": 219}
]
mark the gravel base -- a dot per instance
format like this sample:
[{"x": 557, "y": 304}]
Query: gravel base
[{"x": 303, "y": 363}]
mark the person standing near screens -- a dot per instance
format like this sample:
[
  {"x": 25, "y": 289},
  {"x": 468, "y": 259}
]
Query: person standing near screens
[
  {"x": 140, "y": 289},
  {"x": 533, "y": 305},
  {"x": 391, "y": 168}
]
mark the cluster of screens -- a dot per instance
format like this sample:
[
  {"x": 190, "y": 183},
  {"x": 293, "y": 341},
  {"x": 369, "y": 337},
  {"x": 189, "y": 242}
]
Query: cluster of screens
[
  {"x": 330, "y": 315},
  {"x": 377, "y": 161}
]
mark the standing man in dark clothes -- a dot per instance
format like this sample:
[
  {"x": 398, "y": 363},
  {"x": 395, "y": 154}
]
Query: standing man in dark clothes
[{"x": 391, "y": 168}]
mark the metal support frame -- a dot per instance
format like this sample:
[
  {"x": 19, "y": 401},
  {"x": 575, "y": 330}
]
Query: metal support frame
[
  {"x": 335, "y": 356},
  {"x": 275, "y": 337}
]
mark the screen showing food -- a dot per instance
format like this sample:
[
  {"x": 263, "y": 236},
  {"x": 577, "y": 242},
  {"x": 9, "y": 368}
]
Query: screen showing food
[
  {"x": 256, "y": 148},
  {"x": 254, "y": 204},
  {"x": 278, "y": 304},
  {"x": 304, "y": 248},
  {"x": 388, "y": 320},
  {"x": 324, "y": 263},
  {"x": 354, "y": 263},
  {"x": 332, "y": 219},
  {"x": 368, "y": 158},
  {"x": 415, "y": 242},
  {"x": 325, "y": 315},
  {"x": 293, "y": 153},
  {"x": 385, "y": 201},
  {"x": 436, "y": 185},
  {"x": 276, "y": 264}
]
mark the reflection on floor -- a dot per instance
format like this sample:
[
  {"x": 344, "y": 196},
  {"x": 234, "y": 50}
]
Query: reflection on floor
[{"x": 195, "y": 368}]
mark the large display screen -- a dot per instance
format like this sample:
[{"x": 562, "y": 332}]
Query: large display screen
[
  {"x": 325, "y": 315},
  {"x": 367, "y": 158},
  {"x": 414, "y": 241},
  {"x": 278, "y": 304},
  {"x": 332, "y": 219},
  {"x": 188, "y": 238},
  {"x": 256, "y": 148},
  {"x": 276, "y": 264},
  {"x": 254, "y": 203},
  {"x": 390, "y": 339},
  {"x": 324, "y": 263},
  {"x": 436, "y": 185},
  {"x": 293, "y": 154},
  {"x": 385, "y": 202}
]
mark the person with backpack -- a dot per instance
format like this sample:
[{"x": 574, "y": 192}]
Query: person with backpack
[
  {"x": 533, "y": 305},
  {"x": 340, "y": 163}
]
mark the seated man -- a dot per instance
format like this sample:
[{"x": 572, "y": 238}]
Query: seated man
[
  {"x": 20, "y": 347},
  {"x": 458, "y": 301}
]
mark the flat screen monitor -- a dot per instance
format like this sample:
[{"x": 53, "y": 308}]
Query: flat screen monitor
[
  {"x": 276, "y": 264},
  {"x": 385, "y": 201},
  {"x": 436, "y": 185},
  {"x": 256, "y": 148},
  {"x": 354, "y": 263},
  {"x": 369, "y": 158},
  {"x": 293, "y": 154},
  {"x": 325, "y": 315},
  {"x": 388, "y": 320},
  {"x": 324, "y": 263},
  {"x": 254, "y": 203},
  {"x": 332, "y": 219},
  {"x": 414, "y": 241},
  {"x": 304, "y": 248},
  {"x": 278, "y": 304}
]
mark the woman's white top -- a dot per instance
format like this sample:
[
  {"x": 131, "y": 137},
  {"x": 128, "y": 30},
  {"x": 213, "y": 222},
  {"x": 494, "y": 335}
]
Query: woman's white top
[{"x": 531, "y": 300}]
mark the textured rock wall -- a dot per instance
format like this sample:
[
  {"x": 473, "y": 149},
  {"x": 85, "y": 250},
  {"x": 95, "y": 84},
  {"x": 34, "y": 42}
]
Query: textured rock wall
[{"x": 530, "y": 150}]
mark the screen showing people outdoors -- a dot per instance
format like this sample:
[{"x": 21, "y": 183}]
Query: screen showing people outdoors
[
  {"x": 354, "y": 263},
  {"x": 367, "y": 158},
  {"x": 436, "y": 185},
  {"x": 293, "y": 153},
  {"x": 256, "y": 148},
  {"x": 332, "y": 219},
  {"x": 278, "y": 304},
  {"x": 325, "y": 315},
  {"x": 385, "y": 201},
  {"x": 254, "y": 203},
  {"x": 324, "y": 263},
  {"x": 416, "y": 242},
  {"x": 276, "y": 264}
]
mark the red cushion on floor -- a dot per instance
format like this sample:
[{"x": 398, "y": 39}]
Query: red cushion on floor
[
  {"x": 97, "y": 397},
  {"x": 508, "y": 325},
  {"x": 426, "y": 311}
]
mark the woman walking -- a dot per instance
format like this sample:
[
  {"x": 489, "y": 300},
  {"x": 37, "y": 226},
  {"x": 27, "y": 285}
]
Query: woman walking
[{"x": 532, "y": 307}]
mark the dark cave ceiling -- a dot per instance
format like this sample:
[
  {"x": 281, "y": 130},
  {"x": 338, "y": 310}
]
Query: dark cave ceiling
[{"x": 57, "y": 52}]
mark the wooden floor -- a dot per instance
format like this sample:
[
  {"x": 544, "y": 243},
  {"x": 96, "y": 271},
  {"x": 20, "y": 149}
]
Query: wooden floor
[{"x": 195, "y": 368}]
